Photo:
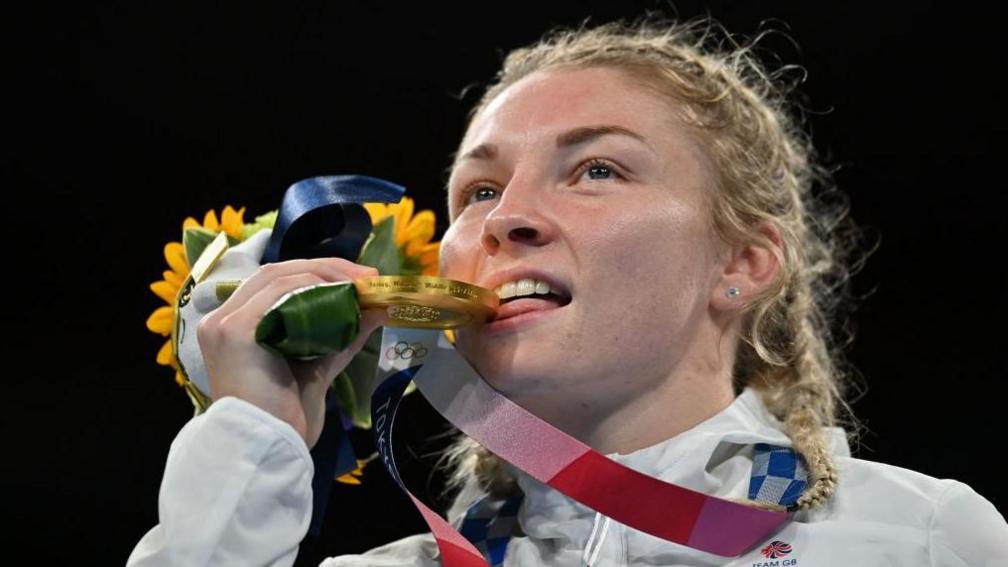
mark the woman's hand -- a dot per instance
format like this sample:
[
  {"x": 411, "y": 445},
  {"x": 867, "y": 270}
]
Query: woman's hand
[{"x": 293, "y": 391}]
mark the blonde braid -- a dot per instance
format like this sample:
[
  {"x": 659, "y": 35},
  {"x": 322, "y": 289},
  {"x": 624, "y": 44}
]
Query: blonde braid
[
  {"x": 811, "y": 409},
  {"x": 784, "y": 355}
]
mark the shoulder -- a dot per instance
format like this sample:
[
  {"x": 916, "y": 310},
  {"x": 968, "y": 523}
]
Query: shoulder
[
  {"x": 415, "y": 550},
  {"x": 881, "y": 490},
  {"x": 959, "y": 524}
]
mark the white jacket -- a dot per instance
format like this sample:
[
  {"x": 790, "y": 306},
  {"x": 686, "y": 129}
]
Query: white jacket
[{"x": 237, "y": 491}]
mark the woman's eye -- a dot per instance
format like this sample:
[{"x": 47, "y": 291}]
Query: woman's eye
[
  {"x": 599, "y": 172},
  {"x": 483, "y": 193},
  {"x": 597, "y": 169}
]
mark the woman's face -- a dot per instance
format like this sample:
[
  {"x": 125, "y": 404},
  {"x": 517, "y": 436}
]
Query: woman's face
[{"x": 583, "y": 179}]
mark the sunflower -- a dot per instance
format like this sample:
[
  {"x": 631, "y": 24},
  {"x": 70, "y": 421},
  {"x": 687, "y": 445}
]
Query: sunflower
[
  {"x": 161, "y": 320},
  {"x": 231, "y": 222},
  {"x": 412, "y": 235}
]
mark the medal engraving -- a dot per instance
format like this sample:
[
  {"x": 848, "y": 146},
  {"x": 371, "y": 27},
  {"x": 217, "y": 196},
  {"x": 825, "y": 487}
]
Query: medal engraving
[
  {"x": 418, "y": 313},
  {"x": 426, "y": 301}
]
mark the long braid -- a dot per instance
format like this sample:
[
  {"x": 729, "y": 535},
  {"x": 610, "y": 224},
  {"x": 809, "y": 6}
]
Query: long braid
[
  {"x": 801, "y": 385},
  {"x": 809, "y": 411},
  {"x": 812, "y": 407}
]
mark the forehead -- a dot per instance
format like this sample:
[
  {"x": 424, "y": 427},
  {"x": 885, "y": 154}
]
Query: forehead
[{"x": 545, "y": 103}]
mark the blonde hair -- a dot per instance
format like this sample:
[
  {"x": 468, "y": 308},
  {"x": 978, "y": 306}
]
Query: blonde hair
[{"x": 765, "y": 171}]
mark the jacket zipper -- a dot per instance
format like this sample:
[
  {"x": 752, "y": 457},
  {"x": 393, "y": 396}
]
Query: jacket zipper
[{"x": 593, "y": 547}]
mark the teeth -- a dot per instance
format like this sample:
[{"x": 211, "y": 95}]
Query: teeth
[
  {"x": 525, "y": 287},
  {"x": 507, "y": 290},
  {"x": 522, "y": 287}
]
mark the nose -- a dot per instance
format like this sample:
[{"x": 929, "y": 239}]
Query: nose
[{"x": 517, "y": 221}]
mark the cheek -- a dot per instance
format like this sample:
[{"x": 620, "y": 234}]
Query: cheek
[
  {"x": 642, "y": 241},
  {"x": 452, "y": 257},
  {"x": 664, "y": 257}
]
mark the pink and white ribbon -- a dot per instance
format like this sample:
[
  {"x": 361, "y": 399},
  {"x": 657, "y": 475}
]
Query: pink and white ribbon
[{"x": 455, "y": 390}]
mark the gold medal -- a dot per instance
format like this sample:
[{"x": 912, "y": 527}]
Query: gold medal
[{"x": 427, "y": 302}]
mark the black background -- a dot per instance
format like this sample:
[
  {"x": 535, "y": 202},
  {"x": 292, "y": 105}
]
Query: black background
[{"x": 126, "y": 118}]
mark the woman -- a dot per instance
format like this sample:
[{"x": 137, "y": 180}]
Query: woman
[{"x": 660, "y": 190}]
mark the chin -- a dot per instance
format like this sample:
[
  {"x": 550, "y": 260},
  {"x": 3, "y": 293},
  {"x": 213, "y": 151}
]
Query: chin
[{"x": 514, "y": 373}]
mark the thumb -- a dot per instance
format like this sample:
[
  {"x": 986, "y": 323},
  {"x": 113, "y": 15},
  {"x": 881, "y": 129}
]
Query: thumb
[{"x": 371, "y": 319}]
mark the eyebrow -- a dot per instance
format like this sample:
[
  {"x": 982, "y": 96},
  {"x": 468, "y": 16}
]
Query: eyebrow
[
  {"x": 566, "y": 139},
  {"x": 589, "y": 133}
]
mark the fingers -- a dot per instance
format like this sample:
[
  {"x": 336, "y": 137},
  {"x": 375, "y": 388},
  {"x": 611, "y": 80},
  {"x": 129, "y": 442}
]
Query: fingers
[
  {"x": 322, "y": 371},
  {"x": 327, "y": 368},
  {"x": 232, "y": 335},
  {"x": 238, "y": 326},
  {"x": 315, "y": 377},
  {"x": 295, "y": 392},
  {"x": 371, "y": 319},
  {"x": 248, "y": 315},
  {"x": 328, "y": 269}
]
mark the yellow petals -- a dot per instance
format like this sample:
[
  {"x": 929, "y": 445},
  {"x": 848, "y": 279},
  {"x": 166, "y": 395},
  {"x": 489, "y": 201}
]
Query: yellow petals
[
  {"x": 347, "y": 479},
  {"x": 402, "y": 211},
  {"x": 429, "y": 259},
  {"x": 231, "y": 221},
  {"x": 378, "y": 211},
  {"x": 173, "y": 278},
  {"x": 174, "y": 254},
  {"x": 419, "y": 231},
  {"x": 165, "y": 291},
  {"x": 160, "y": 321},
  {"x": 165, "y": 356},
  {"x": 210, "y": 220},
  {"x": 429, "y": 251},
  {"x": 412, "y": 233}
]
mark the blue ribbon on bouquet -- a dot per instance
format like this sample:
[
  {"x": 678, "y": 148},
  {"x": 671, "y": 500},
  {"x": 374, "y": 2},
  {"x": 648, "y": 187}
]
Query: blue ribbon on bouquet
[{"x": 324, "y": 217}]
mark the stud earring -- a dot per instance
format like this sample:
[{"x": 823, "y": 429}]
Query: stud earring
[{"x": 732, "y": 292}]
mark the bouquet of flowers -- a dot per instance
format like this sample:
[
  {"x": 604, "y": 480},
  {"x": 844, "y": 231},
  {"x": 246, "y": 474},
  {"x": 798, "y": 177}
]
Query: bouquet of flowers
[{"x": 399, "y": 244}]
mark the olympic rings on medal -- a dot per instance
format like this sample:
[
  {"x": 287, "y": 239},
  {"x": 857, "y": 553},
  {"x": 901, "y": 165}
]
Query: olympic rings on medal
[{"x": 406, "y": 351}]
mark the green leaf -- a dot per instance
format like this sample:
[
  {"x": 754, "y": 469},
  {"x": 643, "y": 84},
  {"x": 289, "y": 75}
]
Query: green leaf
[
  {"x": 312, "y": 322},
  {"x": 266, "y": 220},
  {"x": 380, "y": 250},
  {"x": 408, "y": 266},
  {"x": 360, "y": 376},
  {"x": 195, "y": 240},
  {"x": 361, "y": 373},
  {"x": 355, "y": 384}
]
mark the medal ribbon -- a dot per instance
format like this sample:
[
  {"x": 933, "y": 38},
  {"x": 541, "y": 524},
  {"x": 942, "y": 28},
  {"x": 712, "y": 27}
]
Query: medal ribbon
[
  {"x": 322, "y": 217},
  {"x": 458, "y": 393}
]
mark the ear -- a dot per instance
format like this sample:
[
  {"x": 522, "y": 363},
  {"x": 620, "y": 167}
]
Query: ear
[{"x": 751, "y": 268}]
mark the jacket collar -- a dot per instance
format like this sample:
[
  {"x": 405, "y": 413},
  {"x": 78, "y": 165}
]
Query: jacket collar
[{"x": 713, "y": 457}]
